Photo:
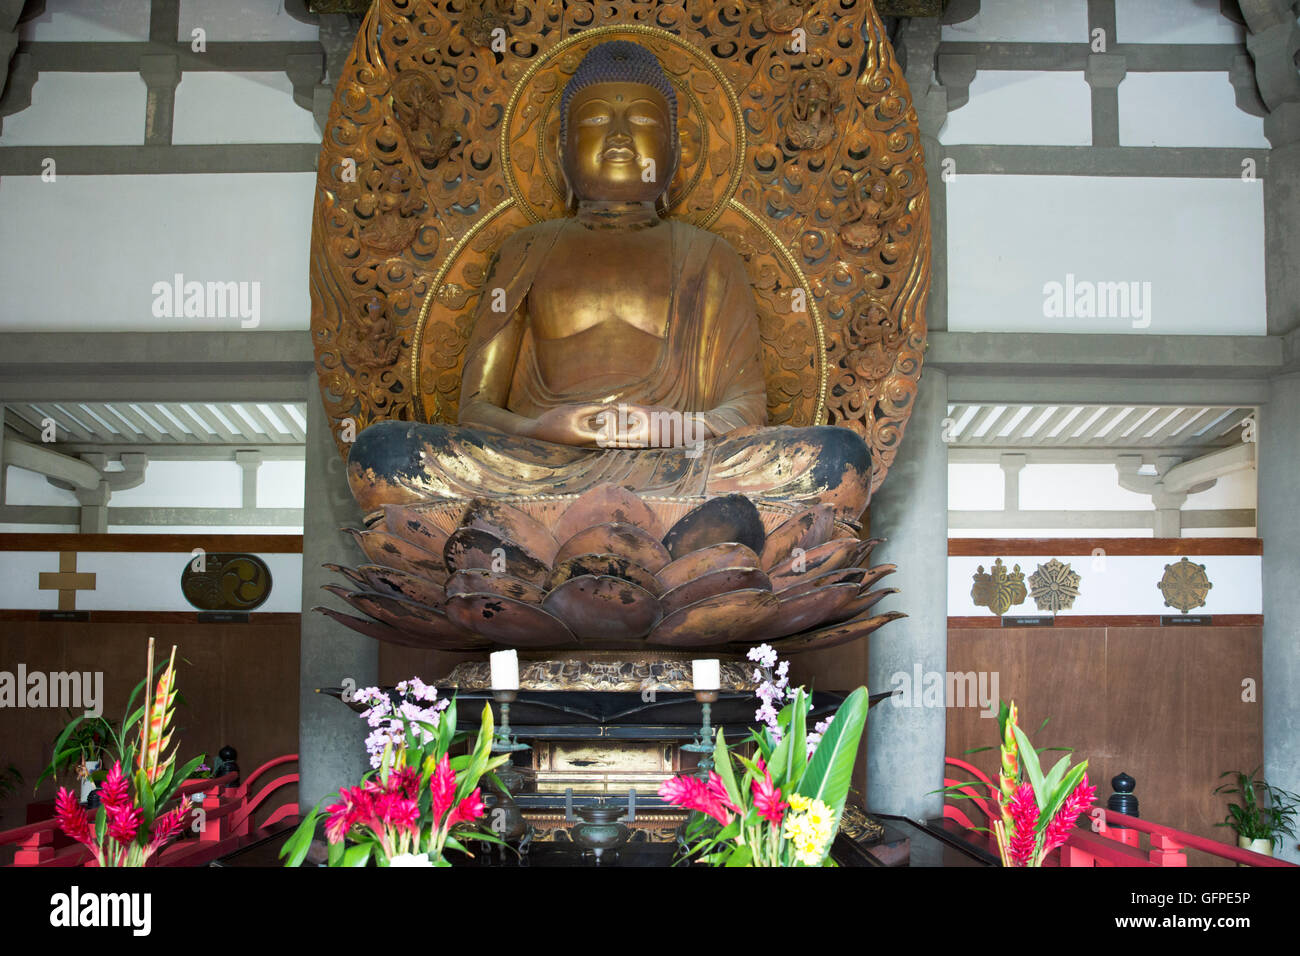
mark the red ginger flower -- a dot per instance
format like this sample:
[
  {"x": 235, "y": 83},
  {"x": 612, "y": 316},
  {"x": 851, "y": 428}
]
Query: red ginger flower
[
  {"x": 471, "y": 808},
  {"x": 167, "y": 826},
  {"x": 1058, "y": 830},
  {"x": 73, "y": 819},
  {"x": 124, "y": 823},
  {"x": 355, "y": 807},
  {"x": 692, "y": 793},
  {"x": 442, "y": 788},
  {"x": 1023, "y": 808},
  {"x": 116, "y": 790},
  {"x": 767, "y": 798}
]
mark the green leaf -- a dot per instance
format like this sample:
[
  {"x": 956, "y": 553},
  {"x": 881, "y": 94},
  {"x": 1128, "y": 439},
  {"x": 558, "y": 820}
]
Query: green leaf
[
  {"x": 336, "y": 853},
  {"x": 830, "y": 772},
  {"x": 358, "y": 855},
  {"x": 740, "y": 856},
  {"x": 1063, "y": 791},
  {"x": 722, "y": 766},
  {"x": 1029, "y": 763},
  {"x": 295, "y": 848}
]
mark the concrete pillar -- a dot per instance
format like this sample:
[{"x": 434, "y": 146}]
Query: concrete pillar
[
  {"x": 1279, "y": 527},
  {"x": 331, "y": 751},
  {"x": 905, "y": 745},
  {"x": 249, "y": 463},
  {"x": 162, "y": 74},
  {"x": 1012, "y": 465}
]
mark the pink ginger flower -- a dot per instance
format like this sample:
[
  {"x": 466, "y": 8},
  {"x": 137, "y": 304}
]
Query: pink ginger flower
[
  {"x": 73, "y": 819},
  {"x": 354, "y": 808},
  {"x": 442, "y": 788},
  {"x": 471, "y": 808},
  {"x": 168, "y": 826},
  {"x": 692, "y": 793},
  {"x": 124, "y": 823},
  {"x": 1024, "y": 815},
  {"x": 115, "y": 790},
  {"x": 767, "y": 798},
  {"x": 1072, "y": 807}
]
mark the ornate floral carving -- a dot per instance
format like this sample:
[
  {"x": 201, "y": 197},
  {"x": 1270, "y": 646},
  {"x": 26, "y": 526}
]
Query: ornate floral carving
[
  {"x": 417, "y": 104},
  {"x": 782, "y": 16},
  {"x": 998, "y": 589},
  {"x": 485, "y": 17}
]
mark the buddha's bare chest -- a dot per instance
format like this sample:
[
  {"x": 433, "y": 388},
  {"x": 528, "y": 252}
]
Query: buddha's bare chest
[{"x": 601, "y": 282}]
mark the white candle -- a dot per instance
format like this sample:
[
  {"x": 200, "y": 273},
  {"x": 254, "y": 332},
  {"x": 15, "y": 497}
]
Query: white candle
[
  {"x": 505, "y": 670},
  {"x": 706, "y": 675}
]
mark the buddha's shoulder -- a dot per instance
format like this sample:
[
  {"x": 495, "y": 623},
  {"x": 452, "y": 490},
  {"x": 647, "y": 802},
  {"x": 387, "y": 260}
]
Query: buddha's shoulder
[{"x": 704, "y": 243}]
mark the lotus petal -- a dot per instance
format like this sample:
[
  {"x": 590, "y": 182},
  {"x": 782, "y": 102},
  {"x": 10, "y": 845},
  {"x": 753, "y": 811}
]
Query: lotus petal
[
  {"x": 479, "y": 581},
  {"x": 603, "y": 609},
  {"x": 811, "y": 608},
  {"x": 714, "y": 582},
  {"x": 823, "y": 578},
  {"x": 835, "y": 634},
  {"x": 723, "y": 618},
  {"x": 511, "y": 524},
  {"x": 864, "y": 601},
  {"x": 864, "y": 552},
  {"x": 371, "y": 628},
  {"x": 611, "y": 565},
  {"x": 409, "y": 522},
  {"x": 476, "y": 548},
  {"x": 804, "y": 530},
  {"x": 728, "y": 554},
  {"x": 504, "y": 620},
  {"x": 387, "y": 549},
  {"x": 607, "y": 503},
  {"x": 619, "y": 538},
  {"x": 402, "y": 584},
  {"x": 428, "y": 624},
  {"x": 831, "y": 556},
  {"x": 725, "y": 518},
  {"x": 355, "y": 577},
  {"x": 873, "y": 575}
]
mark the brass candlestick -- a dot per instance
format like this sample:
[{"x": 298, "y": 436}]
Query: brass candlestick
[
  {"x": 703, "y": 743},
  {"x": 504, "y": 741}
]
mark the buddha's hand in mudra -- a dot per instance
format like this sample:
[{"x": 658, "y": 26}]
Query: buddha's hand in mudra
[{"x": 628, "y": 425}]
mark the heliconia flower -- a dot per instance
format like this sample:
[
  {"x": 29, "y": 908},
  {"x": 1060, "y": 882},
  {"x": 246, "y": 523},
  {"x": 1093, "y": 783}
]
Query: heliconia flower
[
  {"x": 124, "y": 823},
  {"x": 167, "y": 826},
  {"x": 767, "y": 798},
  {"x": 73, "y": 819},
  {"x": 442, "y": 788},
  {"x": 154, "y": 722},
  {"x": 471, "y": 808},
  {"x": 115, "y": 790},
  {"x": 1059, "y": 828},
  {"x": 1023, "y": 810}
]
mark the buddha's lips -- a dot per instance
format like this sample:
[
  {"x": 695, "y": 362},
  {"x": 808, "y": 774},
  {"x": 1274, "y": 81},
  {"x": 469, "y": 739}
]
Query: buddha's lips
[{"x": 618, "y": 154}]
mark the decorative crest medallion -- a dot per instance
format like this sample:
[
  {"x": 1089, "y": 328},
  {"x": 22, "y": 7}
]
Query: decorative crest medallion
[
  {"x": 1185, "y": 585},
  {"x": 1000, "y": 590},
  {"x": 1054, "y": 586}
]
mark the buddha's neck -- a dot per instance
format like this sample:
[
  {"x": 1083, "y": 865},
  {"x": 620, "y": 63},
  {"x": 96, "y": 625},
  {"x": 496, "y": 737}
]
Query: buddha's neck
[{"x": 603, "y": 214}]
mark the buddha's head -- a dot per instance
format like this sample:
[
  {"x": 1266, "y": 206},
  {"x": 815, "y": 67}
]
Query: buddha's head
[{"x": 618, "y": 126}]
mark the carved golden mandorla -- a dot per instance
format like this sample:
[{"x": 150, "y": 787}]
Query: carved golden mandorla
[{"x": 800, "y": 148}]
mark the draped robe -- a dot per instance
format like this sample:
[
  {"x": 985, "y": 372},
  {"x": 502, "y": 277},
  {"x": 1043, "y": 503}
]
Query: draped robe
[{"x": 709, "y": 364}]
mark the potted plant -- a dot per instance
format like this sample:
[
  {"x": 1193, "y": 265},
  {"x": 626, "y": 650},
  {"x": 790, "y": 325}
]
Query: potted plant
[
  {"x": 82, "y": 747},
  {"x": 419, "y": 800},
  {"x": 1035, "y": 811},
  {"x": 130, "y": 823},
  {"x": 1265, "y": 812},
  {"x": 781, "y": 808}
]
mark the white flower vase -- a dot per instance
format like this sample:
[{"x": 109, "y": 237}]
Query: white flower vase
[{"x": 88, "y": 785}]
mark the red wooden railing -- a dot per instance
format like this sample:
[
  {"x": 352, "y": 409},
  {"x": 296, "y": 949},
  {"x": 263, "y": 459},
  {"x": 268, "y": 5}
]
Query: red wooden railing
[
  {"x": 220, "y": 825},
  {"x": 1106, "y": 838}
]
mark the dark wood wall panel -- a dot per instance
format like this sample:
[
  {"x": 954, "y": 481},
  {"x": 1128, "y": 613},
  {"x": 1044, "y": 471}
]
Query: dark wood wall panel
[
  {"x": 1162, "y": 704},
  {"x": 240, "y": 684}
]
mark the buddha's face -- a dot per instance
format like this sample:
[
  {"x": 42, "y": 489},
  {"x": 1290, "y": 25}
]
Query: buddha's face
[{"x": 620, "y": 145}]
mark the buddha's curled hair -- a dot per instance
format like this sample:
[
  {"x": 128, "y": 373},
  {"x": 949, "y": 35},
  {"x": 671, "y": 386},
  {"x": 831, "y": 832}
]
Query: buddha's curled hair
[{"x": 619, "y": 61}]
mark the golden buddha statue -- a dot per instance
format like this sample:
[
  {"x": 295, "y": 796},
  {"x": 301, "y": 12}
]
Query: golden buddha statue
[{"x": 614, "y": 346}]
